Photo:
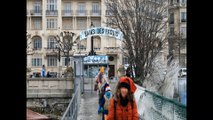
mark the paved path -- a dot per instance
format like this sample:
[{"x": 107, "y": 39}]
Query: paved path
[{"x": 89, "y": 105}]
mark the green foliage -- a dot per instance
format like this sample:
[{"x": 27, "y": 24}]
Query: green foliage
[
  {"x": 28, "y": 69},
  {"x": 69, "y": 69}
]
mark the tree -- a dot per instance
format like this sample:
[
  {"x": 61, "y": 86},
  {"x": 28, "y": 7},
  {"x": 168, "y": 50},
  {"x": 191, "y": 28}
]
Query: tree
[
  {"x": 65, "y": 45},
  {"x": 144, "y": 25},
  {"x": 29, "y": 50}
]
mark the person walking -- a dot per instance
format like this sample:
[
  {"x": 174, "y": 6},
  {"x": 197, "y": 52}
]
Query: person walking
[
  {"x": 123, "y": 105},
  {"x": 101, "y": 79},
  {"x": 106, "y": 101}
]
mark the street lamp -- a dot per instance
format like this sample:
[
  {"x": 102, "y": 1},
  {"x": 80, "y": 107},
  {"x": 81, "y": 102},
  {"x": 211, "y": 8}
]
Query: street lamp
[
  {"x": 92, "y": 52},
  {"x": 57, "y": 46}
]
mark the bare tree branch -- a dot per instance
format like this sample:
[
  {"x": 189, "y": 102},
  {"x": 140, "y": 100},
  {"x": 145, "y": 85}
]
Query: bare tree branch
[{"x": 144, "y": 26}]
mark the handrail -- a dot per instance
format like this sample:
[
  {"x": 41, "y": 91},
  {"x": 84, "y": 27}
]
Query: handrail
[{"x": 72, "y": 109}]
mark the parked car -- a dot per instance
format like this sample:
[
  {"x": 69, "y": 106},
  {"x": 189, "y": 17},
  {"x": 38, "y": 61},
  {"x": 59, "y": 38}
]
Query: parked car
[
  {"x": 182, "y": 72},
  {"x": 53, "y": 74}
]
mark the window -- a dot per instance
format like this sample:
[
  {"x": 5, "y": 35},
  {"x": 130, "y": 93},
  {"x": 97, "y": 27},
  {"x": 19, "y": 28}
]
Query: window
[
  {"x": 52, "y": 60},
  {"x": 52, "y": 24},
  {"x": 95, "y": 8},
  {"x": 171, "y": 18},
  {"x": 67, "y": 23},
  {"x": 81, "y": 9},
  {"x": 51, "y": 5},
  {"x": 183, "y": 16},
  {"x": 67, "y": 8},
  {"x": 82, "y": 47},
  {"x": 183, "y": 1},
  {"x": 65, "y": 61},
  {"x": 37, "y": 43},
  {"x": 171, "y": 31},
  {"x": 81, "y": 24},
  {"x": 51, "y": 43},
  {"x": 36, "y": 62},
  {"x": 125, "y": 60},
  {"x": 110, "y": 22},
  {"x": 96, "y": 22},
  {"x": 37, "y": 7},
  {"x": 183, "y": 31},
  {"x": 36, "y": 23},
  {"x": 108, "y": 11},
  {"x": 97, "y": 43}
]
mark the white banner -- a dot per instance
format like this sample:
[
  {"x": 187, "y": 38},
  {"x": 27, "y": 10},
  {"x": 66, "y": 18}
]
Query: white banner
[
  {"x": 105, "y": 31},
  {"x": 97, "y": 59}
]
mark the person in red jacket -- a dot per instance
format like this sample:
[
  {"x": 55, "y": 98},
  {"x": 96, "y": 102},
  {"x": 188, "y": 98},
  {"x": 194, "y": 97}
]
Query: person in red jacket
[{"x": 123, "y": 105}]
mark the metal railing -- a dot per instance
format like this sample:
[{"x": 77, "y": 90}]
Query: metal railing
[
  {"x": 152, "y": 106},
  {"x": 67, "y": 12},
  {"x": 36, "y": 12},
  {"x": 72, "y": 109},
  {"x": 52, "y": 12},
  {"x": 95, "y": 12}
]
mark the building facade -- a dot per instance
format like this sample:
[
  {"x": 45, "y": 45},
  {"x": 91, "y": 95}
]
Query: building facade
[
  {"x": 48, "y": 18},
  {"x": 178, "y": 30}
]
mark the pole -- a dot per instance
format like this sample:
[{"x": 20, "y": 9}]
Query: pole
[
  {"x": 82, "y": 80},
  {"x": 59, "y": 58},
  {"x": 92, "y": 50},
  {"x": 91, "y": 81}
]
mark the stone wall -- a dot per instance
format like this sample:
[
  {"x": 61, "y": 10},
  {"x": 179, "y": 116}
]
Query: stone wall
[{"x": 49, "y": 87}]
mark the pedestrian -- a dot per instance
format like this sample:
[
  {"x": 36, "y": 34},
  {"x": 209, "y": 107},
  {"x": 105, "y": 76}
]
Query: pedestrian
[
  {"x": 48, "y": 74},
  {"x": 43, "y": 70},
  {"x": 101, "y": 79},
  {"x": 102, "y": 99},
  {"x": 106, "y": 101},
  {"x": 123, "y": 105}
]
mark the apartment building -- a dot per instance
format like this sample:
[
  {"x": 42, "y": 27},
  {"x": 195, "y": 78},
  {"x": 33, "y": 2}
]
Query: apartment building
[
  {"x": 48, "y": 18},
  {"x": 178, "y": 30}
]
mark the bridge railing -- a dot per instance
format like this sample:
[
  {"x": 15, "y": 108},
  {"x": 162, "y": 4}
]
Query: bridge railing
[
  {"x": 72, "y": 109},
  {"x": 152, "y": 106}
]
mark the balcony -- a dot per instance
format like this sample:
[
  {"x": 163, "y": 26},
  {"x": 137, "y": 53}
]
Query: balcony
[
  {"x": 183, "y": 20},
  {"x": 81, "y": 12},
  {"x": 37, "y": 49},
  {"x": 111, "y": 50},
  {"x": 67, "y": 27},
  {"x": 95, "y": 13},
  {"x": 108, "y": 13},
  {"x": 67, "y": 13},
  {"x": 51, "y": 12},
  {"x": 36, "y": 13},
  {"x": 36, "y": 28},
  {"x": 50, "y": 51}
]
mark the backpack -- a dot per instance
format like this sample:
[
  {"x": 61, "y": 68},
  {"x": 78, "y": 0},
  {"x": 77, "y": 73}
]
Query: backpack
[
  {"x": 99, "y": 78},
  {"x": 107, "y": 101}
]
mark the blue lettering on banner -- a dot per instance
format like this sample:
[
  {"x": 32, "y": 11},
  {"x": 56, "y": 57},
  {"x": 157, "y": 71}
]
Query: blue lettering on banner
[
  {"x": 101, "y": 59},
  {"x": 101, "y": 31}
]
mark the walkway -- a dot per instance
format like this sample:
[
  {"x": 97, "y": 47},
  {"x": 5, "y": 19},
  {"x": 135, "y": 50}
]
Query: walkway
[{"x": 89, "y": 105}]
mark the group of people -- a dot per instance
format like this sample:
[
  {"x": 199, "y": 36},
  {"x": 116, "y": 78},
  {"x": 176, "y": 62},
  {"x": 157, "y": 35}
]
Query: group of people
[{"x": 119, "y": 105}]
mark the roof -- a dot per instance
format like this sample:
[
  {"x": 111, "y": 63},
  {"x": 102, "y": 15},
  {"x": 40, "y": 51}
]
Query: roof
[{"x": 31, "y": 115}]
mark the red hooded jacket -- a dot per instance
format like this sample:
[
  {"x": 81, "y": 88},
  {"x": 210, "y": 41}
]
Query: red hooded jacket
[{"x": 127, "y": 112}]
